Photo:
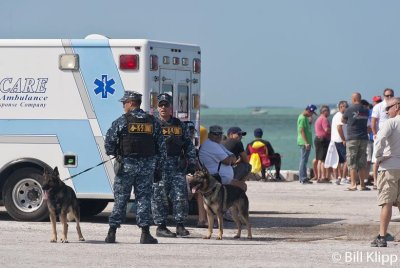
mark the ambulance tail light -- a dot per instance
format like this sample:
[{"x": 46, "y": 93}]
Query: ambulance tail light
[
  {"x": 196, "y": 101},
  {"x": 129, "y": 62},
  {"x": 153, "y": 62},
  {"x": 196, "y": 66},
  {"x": 153, "y": 99}
]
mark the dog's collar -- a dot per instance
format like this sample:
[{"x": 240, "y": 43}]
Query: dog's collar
[{"x": 216, "y": 187}]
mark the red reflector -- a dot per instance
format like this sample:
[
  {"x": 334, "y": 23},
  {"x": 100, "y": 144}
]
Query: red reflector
[
  {"x": 153, "y": 62},
  {"x": 129, "y": 62},
  {"x": 196, "y": 66}
]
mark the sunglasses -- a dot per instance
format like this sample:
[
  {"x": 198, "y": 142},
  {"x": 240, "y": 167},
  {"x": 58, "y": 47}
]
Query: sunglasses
[
  {"x": 390, "y": 106},
  {"x": 388, "y": 96},
  {"x": 216, "y": 134},
  {"x": 166, "y": 105}
]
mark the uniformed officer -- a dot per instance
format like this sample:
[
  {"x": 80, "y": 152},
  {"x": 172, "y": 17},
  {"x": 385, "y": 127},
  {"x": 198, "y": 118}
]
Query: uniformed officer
[
  {"x": 136, "y": 138},
  {"x": 173, "y": 184}
]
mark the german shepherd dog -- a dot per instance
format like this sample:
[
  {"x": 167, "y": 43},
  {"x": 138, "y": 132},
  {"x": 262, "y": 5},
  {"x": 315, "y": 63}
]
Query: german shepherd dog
[
  {"x": 61, "y": 202},
  {"x": 218, "y": 199}
]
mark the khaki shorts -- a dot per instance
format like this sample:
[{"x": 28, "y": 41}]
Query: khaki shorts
[
  {"x": 356, "y": 154},
  {"x": 388, "y": 186}
]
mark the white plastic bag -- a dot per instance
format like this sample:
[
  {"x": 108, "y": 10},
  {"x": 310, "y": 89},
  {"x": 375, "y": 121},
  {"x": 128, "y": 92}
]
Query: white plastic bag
[{"x": 332, "y": 156}]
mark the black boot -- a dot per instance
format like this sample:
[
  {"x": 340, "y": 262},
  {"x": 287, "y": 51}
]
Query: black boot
[
  {"x": 146, "y": 237},
  {"x": 111, "y": 235},
  {"x": 181, "y": 231},
  {"x": 163, "y": 231}
]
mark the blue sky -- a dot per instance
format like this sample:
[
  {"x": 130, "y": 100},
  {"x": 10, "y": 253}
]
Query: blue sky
[{"x": 254, "y": 53}]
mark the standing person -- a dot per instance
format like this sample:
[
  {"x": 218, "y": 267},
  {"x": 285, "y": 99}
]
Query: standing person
[
  {"x": 135, "y": 137},
  {"x": 321, "y": 142},
  {"x": 266, "y": 153},
  {"x": 378, "y": 117},
  {"x": 338, "y": 136},
  {"x": 304, "y": 139},
  {"x": 370, "y": 144},
  {"x": 356, "y": 117},
  {"x": 173, "y": 184},
  {"x": 387, "y": 148},
  {"x": 234, "y": 144}
]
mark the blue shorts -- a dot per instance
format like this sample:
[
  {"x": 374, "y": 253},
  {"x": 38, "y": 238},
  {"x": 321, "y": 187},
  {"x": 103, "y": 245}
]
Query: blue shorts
[{"x": 341, "y": 149}]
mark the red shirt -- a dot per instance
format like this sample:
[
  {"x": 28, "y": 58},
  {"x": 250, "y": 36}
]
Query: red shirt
[{"x": 322, "y": 127}]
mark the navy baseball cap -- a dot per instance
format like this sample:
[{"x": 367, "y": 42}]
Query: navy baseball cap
[
  {"x": 164, "y": 97},
  {"x": 131, "y": 95},
  {"x": 312, "y": 108},
  {"x": 236, "y": 130}
]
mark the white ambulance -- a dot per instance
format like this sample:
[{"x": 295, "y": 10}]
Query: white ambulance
[{"x": 58, "y": 98}]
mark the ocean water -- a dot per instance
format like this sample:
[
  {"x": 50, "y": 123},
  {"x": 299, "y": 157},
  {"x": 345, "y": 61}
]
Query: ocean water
[{"x": 278, "y": 125}]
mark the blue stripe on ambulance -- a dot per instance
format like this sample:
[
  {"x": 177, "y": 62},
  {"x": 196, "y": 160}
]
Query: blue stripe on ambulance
[
  {"x": 74, "y": 136},
  {"x": 96, "y": 61}
]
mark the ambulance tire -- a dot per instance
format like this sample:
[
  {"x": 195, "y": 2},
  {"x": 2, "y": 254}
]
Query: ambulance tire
[
  {"x": 91, "y": 207},
  {"x": 23, "y": 195}
]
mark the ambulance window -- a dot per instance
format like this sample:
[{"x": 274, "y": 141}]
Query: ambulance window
[
  {"x": 167, "y": 88},
  {"x": 183, "y": 93}
]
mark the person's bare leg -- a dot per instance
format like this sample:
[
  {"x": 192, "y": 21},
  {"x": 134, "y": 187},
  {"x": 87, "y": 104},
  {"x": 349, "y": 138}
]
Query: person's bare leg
[
  {"x": 353, "y": 176},
  {"x": 363, "y": 175},
  {"x": 386, "y": 215},
  {"x": 315, "y": 168}
]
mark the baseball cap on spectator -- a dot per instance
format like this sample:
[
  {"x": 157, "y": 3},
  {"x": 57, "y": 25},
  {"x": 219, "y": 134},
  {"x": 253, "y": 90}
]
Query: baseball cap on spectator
[
  {"x": 258, "y": 132},
  {"x": 377, "y": 99},
  {"x": 236, "y": 130},
  {"x": 215, "y": 129},
  {"x": 311, "y": 108}
]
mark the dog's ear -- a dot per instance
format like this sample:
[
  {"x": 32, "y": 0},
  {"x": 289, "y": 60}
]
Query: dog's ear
[
  {"x": 55, "y": 172},
  {"x": 205, "y": 170}
]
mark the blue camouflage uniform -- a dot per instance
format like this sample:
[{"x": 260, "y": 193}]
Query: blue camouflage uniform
[
  {"x": 173, "y": 183},
  {"x": 135, "y": 171}
]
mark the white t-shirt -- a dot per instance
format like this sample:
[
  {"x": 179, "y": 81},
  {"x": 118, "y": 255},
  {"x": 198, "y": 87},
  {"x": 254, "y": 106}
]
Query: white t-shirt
[
  {"x": 387, "y": 144},
  {"x": 379, "y": 112},
  {"x": 336, "y": 121},
  {"x": 211, "y": 154}
]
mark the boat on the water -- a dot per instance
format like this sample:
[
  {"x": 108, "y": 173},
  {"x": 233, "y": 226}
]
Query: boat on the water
[{"x": 259, "y": 110}]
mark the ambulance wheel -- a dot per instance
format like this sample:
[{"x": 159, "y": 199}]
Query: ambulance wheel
[
  {"x": 91, "y": 207},
  {"x": 23, "y": 195}
]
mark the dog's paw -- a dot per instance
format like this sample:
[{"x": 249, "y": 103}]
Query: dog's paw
[
  {"x": 53, "y": 240},
  {"x": 206, "y": 236},
  {"x": 249, "y": 237},
  {"x": 64, "y": 240},
  {"x": 236, "y": 237},
  {"x": 219, "y": 237},
  {"x": 81, "y": 239}
]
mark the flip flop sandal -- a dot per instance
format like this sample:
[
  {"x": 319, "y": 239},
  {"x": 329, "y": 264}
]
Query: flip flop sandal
[{"x": 351, "y": 189}]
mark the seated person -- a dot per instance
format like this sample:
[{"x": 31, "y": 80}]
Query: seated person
[
  {"x": 234, "y": 144},
  {"x": 266, "y": 153},
  {"x": 217, "y": 159}
]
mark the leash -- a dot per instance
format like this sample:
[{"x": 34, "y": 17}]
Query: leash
[{"x": 86, "y": 170}]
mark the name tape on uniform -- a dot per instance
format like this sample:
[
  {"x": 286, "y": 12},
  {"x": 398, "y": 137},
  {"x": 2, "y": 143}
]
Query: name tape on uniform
[
  {"x": 168, "y": 131},
  {"x": 140, "y": 128}
]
